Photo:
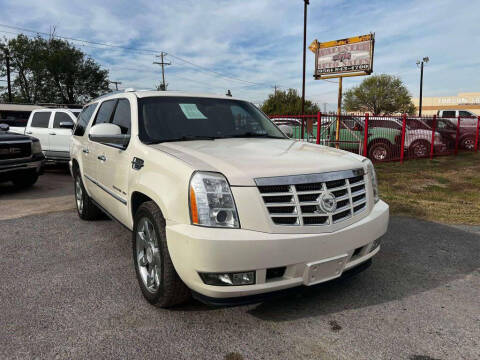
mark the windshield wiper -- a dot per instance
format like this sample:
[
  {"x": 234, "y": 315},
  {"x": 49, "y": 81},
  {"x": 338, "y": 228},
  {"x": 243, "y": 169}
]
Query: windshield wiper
[
  {"x": 183, "y": 138},
  {"x": 250, "y": 134}
]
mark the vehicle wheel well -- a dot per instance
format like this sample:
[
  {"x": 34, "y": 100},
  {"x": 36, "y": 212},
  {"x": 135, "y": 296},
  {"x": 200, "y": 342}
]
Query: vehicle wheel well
[
  {"x": 138, "y": 199},
  {"x": 379, "y": 141},
  {"x": 75, "y": 166}
]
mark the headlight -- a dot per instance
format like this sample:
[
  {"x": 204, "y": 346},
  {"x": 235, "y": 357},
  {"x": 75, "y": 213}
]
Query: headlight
[
  {"x": 36, "y": 147},
  {"x": 211, "y": 201},
  {"x": 373, "y": 179}
]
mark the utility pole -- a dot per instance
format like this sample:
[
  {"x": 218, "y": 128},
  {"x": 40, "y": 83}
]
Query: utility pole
[
  {"x": 9, "y": 86},
  {"x": 306, "y": 2},
  {"x": 163, "y": 85},
  {"x": 116, "y": 84},
  {"x": 425, "y": 60},
  {"x": 275, "y": 89}
]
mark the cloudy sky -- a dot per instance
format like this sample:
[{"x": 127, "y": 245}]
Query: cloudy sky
[{"x": 249, "y": 46}]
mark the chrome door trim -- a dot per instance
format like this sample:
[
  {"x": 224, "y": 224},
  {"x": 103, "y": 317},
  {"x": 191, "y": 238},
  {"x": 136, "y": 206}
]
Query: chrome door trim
[{"x": 112, "y": 194}]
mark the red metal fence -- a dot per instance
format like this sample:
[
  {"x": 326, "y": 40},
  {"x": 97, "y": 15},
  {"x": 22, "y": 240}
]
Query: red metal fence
[{"x": 385, "y": 138}]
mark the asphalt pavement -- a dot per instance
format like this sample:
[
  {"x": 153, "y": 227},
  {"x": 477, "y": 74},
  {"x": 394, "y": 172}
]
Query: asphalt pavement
[{"x": 68, "y": 291}]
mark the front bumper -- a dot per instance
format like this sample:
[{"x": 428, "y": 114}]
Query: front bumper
[
  {"x": 195, "y": 249},
  {"x": 13, "y": 168}
]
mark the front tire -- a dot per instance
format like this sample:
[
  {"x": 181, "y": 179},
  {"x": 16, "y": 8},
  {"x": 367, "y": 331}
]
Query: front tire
[
  {"x": 156, "y": 275},
  {"x": 86, "y": 209}
]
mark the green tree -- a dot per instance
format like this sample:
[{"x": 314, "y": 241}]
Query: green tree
[
  {"x": 379, "y": 94},
  {"x": 287, "y": 102},
  {"x": 53, "y": 71}
]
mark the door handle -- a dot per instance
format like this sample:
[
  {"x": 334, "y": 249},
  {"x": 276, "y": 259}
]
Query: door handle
[
  {"x": 85, "y": 151},
  {"x": 52, "y": 133},
  {"x": 28, "y": 132},
  {"x": 102, "y": 158}
]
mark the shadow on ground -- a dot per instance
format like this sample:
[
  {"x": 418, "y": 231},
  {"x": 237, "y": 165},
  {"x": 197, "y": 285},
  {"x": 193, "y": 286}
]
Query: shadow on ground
[{"x": 416, "y": 256}]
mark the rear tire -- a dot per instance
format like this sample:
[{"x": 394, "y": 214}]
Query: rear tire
[
  {"x": 380, "y": 151},
  {"x": 419, "y": 149},
  {"x": 468, "y": 143},
  {"x": 86, "y": 209},
  {"x": 28, "y": 179},
  {"x": 156, "y": 275}
]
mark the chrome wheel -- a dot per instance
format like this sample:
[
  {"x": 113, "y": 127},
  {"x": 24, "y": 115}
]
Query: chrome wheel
[
  {"x": 420, "y": 150},
  {"x": 469, "y": 144},
  {"x": 79, "y": 194},
  {"x": 148, "y": 255},
  {"x": 380, "y": 153}
]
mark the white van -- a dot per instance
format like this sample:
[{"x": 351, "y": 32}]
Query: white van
[{"x": 53, "y": 127}]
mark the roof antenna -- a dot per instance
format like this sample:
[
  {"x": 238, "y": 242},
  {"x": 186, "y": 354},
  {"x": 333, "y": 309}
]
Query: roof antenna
[{"x": 229, "y": 93}]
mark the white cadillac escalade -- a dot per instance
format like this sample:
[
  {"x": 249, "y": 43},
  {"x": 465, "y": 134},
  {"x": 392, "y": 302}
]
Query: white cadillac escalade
[{"x": 221, "y": 204}]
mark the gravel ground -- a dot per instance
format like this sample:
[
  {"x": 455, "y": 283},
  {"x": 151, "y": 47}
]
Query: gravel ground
[{"x": 68, "y": 291}]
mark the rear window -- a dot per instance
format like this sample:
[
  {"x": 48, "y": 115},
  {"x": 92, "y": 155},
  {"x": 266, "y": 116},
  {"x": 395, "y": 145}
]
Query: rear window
[{"x": 40, "y": 119}]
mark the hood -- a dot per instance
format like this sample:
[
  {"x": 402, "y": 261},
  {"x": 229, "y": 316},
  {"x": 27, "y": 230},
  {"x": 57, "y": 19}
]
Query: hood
[
  {"x": 11, "y": 136},
  {"x": 242, "y": 160}
]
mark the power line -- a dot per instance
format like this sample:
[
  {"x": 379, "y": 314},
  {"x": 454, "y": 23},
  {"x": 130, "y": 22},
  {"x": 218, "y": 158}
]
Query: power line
[{"x": 145, "y": 51}]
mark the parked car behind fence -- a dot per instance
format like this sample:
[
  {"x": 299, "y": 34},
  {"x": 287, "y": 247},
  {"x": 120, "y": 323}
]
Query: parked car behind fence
[{"x": 385, "y": 138}]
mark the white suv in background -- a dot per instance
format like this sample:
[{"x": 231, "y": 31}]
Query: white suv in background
[
  {"x": 53, "y": 127},
  {"x": 220, "y": 203}
]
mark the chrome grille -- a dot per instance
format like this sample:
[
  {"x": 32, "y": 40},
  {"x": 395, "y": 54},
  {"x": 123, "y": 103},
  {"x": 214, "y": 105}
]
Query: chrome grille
[{"x": 295, "y": 200}]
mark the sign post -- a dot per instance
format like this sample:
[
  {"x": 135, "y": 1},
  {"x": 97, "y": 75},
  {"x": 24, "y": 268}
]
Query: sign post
[{"x": 343, "y": 58}]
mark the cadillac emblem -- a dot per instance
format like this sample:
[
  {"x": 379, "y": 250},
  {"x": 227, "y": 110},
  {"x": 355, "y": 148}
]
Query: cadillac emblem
[{"x": 327, "y": 202}]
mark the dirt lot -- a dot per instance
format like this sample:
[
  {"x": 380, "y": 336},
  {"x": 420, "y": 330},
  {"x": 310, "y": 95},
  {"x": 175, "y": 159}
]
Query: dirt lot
[{"x": 69, "y": 291}]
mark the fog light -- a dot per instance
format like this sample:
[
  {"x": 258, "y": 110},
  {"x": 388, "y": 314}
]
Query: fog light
[
  {"x": 375, "y": 244},
  {"x": 228, "y": 279}
]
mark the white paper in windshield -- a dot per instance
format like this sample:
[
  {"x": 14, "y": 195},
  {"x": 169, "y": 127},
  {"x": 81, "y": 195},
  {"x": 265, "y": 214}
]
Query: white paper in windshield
[{"x": 191, "y": 111}]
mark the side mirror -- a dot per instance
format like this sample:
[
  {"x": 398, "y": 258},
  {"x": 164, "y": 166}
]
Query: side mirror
[
  {"x": 109, "y": 134},
  {"x": 67, "y": 124},
  {"x": 287, "y": 130},
  {"x": 4, "y": 127}
]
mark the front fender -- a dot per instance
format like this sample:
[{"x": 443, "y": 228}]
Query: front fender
[{"x": 165, "y": 180}]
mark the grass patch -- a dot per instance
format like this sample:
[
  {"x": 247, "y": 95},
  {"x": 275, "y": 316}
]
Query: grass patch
[{"x": 445, "y": 189}]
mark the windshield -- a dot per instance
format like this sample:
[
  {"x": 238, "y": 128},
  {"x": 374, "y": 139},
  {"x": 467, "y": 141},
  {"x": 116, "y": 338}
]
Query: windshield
[{"x": 169, "y": 118}]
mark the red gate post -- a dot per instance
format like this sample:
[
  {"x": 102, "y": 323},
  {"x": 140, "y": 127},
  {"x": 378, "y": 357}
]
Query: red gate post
[
  {"x": 303, "y": 127},
  {"x": 402, "y": 147},
  {"x": 432, "y": 143},
  {"x": 365, "y": 136},
  {"x": 457, "y": 135},
  {"x": 319, "y": 125},
  {"x": 476, "y": 136}
]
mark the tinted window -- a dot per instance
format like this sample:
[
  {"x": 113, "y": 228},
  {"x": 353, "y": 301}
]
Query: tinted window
[
  {"x": 465, "y": 114},
  {"x": 104, "y": 114},
  {"x": 40, "y": 119},
  {"x": 83, "y": 119},
  {"x": 448, "y": 114},
  {"x": 169, "y": 118},
  {"x": 122, "y": 116},
  {"x": 61, "y": 117},
  {"x": 14, "y": 118}
]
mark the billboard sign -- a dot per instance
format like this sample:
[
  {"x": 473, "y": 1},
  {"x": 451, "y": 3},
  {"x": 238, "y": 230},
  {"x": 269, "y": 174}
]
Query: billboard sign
[{"x": 352, "y": 55}]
